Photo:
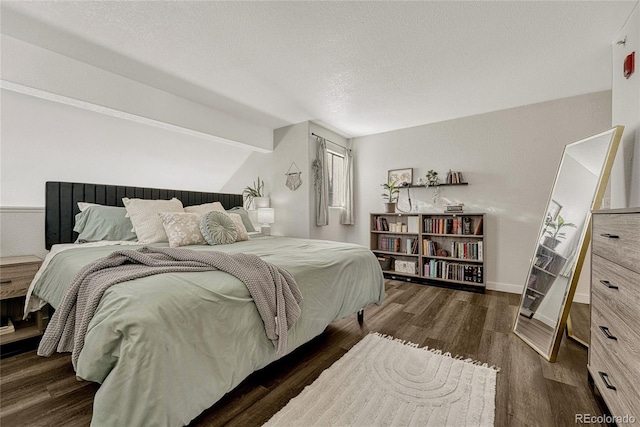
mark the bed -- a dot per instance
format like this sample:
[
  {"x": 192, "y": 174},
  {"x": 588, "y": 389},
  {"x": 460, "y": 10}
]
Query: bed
[{"x": 166, "y": 347}]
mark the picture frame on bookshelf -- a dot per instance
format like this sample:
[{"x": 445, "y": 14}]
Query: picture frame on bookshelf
[{"x": 402, "y": 177}]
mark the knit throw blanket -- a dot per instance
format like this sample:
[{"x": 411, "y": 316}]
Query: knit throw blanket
[{"x": 273, "y": 289}]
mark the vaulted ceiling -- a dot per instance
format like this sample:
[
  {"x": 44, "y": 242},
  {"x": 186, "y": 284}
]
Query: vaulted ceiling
[{"x": 355, "y": 67}]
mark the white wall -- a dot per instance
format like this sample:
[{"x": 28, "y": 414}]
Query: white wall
[
  {"x": 509, "y": 158},
  {"x": 625, "y": 176},
  {"x": 47, "y": 141},
  {"x": 29, "y": 67},
  {"x": 294, "y": 210}
]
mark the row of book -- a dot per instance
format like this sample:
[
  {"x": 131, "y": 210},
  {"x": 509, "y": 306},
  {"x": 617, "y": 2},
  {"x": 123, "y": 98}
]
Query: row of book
[
  {"x": 457, "y": 225},
  {"x": 467, "y": 250},
  {"x": 394, "y": 244},
  {"x": 460, "y": 250},
  {"x": 454, "y": 177},
  {"x": 381, "y": 224},
  {"x": 390, "y": 244},
  {"x": 439, "y": 269}
]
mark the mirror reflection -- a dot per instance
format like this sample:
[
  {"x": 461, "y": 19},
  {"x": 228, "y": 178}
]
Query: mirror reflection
[{"x": 562, "y": 241}]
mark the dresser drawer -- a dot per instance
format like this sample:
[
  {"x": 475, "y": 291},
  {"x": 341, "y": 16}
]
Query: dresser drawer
[
  {"x": 616, "y": 237},
  {"x": 618, "y": 341},
  {"x": 618, "y": 289},
  {"x": 623, "y": 400}
]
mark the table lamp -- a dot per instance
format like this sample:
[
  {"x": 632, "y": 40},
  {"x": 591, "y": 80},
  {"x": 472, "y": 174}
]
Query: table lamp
[{"x": 266, "y": 217}]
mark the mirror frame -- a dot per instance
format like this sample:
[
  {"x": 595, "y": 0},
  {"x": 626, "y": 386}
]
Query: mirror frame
[{"x": 583, "y": 243}]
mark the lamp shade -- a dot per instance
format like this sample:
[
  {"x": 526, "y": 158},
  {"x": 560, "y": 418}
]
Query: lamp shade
[{"x": 266, "y": 216}]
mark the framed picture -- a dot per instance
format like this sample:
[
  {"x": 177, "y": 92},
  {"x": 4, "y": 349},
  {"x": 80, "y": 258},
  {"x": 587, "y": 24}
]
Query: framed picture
[
  {"x": 402, "y": 177},
  {"x": 554, "y": 210}
]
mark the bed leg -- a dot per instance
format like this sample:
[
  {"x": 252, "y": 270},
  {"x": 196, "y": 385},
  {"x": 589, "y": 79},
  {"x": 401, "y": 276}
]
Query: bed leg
[{"x": 361, "y": 316}]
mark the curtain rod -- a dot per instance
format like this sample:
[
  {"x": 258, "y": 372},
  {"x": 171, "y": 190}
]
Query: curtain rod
[{"x": 334, "y": 143}]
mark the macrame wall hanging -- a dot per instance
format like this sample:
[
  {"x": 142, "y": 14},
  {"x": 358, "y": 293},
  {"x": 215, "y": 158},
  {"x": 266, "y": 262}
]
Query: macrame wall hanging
[{"x": 293, "y": 177}]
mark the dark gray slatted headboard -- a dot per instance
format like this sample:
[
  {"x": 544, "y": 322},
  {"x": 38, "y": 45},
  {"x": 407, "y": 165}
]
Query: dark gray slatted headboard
[{"x": 62, "y": 203}]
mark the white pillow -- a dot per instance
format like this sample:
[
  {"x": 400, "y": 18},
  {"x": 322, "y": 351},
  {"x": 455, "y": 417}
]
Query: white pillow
[
  {"x": 84, "y": 205},
  {"x": 206, "y": 207},
  {"x": 147, "y": 224},
  {"x": 182, "y": 228},
  {"x": 240, "y": 228}
]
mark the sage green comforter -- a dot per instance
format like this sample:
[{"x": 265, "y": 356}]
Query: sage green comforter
[{"x": 167, "y": 347}]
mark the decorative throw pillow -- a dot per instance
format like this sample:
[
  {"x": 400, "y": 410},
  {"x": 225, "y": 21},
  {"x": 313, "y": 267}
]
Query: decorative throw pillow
[
  {"x": 204, "y": 208},
  {"x": 182, "y": 229},
  {"x": 218, "y": 228},
  {"x": 97, "y": 223},
  {"x": 242, "y": 234},
  {"x": 248, "y": 225},
  {"x": 147, "y": 224}
]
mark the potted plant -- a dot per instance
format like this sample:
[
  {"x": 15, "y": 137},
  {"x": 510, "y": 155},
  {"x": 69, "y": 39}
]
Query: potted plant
[
  {"x": 433, "y": 181},
  {"x": 552, "y": 231},
  {"x": 391, "y": 195},
  {"x": 254, "y": 195}
]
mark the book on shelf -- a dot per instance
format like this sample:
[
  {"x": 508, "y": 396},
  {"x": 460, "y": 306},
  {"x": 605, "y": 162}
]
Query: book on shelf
[
  {"x": 381, "y": 224},
  {"x": 390, "y": 244},
  {"x": 458, "y": 225},
  {"x": 454, "y": 177},
  {"x": 478, "y": 230},
  {"x": 412, "y": 224},
  {"x": 466, "y": 225},
  {"x": 454, "y": 207},
  {"x": 441, "y": 269}
]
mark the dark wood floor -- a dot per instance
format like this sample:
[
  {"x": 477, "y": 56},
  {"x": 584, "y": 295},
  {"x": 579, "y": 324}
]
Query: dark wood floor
[{"x": 530, "y": 391}]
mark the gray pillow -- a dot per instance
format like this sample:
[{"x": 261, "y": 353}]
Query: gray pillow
[
  {"x": 245, "y": 218},
  {"x": 99, "y": 222},
  {"x": 218, "y": 228}
]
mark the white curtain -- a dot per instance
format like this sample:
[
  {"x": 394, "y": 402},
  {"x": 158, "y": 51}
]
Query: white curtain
[
  {"x": 321, "y": 182},
  {"x": 347, "y": 216}
]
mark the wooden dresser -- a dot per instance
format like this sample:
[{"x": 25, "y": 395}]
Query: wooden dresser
[{"x": 614, "y": 352}]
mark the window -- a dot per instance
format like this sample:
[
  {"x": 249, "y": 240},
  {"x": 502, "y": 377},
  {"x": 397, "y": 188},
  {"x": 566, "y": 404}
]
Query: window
[{"x": 336, "y": 179}]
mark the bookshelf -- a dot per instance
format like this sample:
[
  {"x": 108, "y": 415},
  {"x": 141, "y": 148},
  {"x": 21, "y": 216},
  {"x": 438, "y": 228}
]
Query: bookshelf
[
  {"x": 545, "y": 269},
  {"x": 450, "y": 247}
]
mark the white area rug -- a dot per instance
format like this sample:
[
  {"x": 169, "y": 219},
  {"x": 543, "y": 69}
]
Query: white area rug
[{"x": 385, "y": 382}]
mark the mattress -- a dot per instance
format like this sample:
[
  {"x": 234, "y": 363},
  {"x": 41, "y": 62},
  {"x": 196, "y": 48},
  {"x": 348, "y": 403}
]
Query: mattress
[{"x": 166, "y": 347}]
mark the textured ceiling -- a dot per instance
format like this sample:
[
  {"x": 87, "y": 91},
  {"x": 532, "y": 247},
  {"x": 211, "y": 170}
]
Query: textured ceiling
[{"x": 355, "y": 67}]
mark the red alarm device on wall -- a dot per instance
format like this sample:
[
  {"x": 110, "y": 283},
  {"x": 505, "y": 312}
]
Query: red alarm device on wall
[{"x": 629, "y": 64}]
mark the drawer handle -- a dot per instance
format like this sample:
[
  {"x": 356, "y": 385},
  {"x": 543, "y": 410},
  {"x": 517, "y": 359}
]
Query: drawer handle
[
  {"x": 5, "y": 282},
  {"x": 608, "y": 284},
  {"x": 605, "y": 380},
  {"x": 607, "y": 334},
  {"x": 610, "y": 236}
]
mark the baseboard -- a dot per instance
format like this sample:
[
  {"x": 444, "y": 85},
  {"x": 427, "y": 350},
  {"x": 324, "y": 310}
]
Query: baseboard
[{"x": 504, "y": 287}]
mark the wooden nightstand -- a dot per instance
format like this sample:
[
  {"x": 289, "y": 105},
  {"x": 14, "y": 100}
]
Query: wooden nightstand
[{"x": 16, "y": 274}]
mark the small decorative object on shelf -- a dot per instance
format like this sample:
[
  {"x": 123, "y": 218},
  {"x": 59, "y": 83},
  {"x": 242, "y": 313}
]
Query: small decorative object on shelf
[
  {"x": 391, "y": 195},
  {"x": 433, "y": 181},
  {"x": 454, "y": 207},
  {"x": 446, "y": 248},
  {"x": 454, "y": 177}
]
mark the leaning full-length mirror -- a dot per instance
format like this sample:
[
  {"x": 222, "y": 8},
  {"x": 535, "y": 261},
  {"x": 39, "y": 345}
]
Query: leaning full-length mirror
[{"x": 563, "y": 239}]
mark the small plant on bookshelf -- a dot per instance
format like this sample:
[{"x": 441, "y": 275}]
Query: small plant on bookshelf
[{"x": 390, "y": 194}]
